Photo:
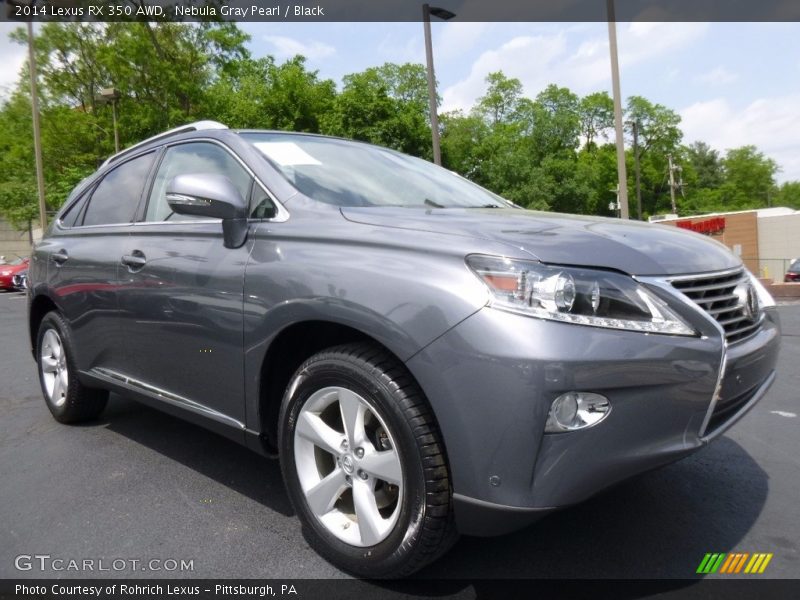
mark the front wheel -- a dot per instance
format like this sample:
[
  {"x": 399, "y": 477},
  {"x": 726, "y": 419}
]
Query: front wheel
[{"x": 364, "y": 463}]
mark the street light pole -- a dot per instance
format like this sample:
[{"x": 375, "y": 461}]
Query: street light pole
[
  {"x": 445, "y": 15},
  {"x": 622, "y": 174}
]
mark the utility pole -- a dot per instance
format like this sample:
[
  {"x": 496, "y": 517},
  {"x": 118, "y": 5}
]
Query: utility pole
[
  {"x": 672, "y": 183},
  {"x": 622, "y": 173},
  {"x": 636, "y": 166},
  {"x": 37, "y": 135}
]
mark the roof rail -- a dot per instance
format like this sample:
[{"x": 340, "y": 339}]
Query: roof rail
[{"x": 196, "y": 126}]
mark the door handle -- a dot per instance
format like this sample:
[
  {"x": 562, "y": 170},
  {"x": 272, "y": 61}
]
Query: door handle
[
  {"x": 59, "y": 257},
  {"x": 135, "y": 260}
]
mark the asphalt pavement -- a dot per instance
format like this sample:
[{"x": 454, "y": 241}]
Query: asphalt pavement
[{"x": 140, "y": 485}]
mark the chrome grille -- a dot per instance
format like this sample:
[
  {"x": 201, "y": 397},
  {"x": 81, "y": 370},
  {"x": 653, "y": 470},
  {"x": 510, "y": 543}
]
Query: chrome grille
[{"x": 715, "y": 294}]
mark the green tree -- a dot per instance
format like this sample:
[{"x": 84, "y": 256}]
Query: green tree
[
  {"x": 384, "y": 105},
  {"x": 596, "y": 113},
  {"x": 788, "y": 194},
  {"x": 501, "y": 102},
  {"x": 749, "y": 179},
  {"x": 260, "y": 93}
]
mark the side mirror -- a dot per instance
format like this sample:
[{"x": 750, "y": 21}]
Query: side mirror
[{"x": 213, "y": 196}]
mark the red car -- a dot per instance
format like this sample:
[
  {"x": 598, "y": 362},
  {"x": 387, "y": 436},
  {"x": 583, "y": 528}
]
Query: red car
[
  {"x": 793, "y": 274},
  {"x": 11, "y": 268}
]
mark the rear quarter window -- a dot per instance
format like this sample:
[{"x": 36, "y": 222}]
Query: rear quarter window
[{"x": 116, "y": 197}]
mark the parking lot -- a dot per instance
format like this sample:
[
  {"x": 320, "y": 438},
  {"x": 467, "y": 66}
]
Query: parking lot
[{"x": 138, "y": 484}]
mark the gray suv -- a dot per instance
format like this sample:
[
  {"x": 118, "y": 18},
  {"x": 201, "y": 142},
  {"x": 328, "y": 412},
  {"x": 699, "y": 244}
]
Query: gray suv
[{"x": 424, "y": 357}]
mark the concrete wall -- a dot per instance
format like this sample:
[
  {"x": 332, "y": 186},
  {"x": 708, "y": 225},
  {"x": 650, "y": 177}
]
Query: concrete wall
[
  {"x": 13, "y": 241},
  {"x": 778, "y": 244}
]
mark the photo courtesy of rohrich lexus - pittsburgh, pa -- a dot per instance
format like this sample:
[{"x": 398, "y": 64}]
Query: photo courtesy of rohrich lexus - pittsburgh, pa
[{"x": 425, "y": 358}]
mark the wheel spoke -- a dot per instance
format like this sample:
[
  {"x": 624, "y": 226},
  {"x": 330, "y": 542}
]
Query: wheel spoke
[
  {"x": 316, "y": 431},
  {"x": 57, "y": 389},
  {"x": 352, "y": 417},
  {"x": 49, "y": 364},
  {"x": 324, "y": 495},
  {"x": 64, "y": 379},
  {"x": 384, "y": 465},
  {"x": 370, "y": 522}
]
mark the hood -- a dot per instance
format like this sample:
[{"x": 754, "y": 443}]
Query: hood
[{"x": 630, "y": 246}]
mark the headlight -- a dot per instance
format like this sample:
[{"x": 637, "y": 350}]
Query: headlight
[
  {"x": 575, "y": 295},
  {"x": 765, "y": 299}
]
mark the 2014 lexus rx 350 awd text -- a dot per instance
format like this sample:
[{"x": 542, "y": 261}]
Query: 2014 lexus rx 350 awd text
[{"x": 424, "y": 357}]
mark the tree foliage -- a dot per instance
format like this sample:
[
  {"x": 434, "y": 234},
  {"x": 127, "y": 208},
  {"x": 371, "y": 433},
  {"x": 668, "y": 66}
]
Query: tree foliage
[{"x": 550, "y": 152}]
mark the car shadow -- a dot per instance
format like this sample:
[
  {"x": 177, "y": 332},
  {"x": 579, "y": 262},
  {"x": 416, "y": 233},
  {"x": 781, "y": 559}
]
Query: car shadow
[
  {"x": 657, "y": 526},
  {"x": 203, "y": 451}
]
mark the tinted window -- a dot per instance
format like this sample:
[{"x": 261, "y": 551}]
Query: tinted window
[
  {"x": 115, "y": 199},
  {"x": 196, "y": 157},
  {"x": 72, "y": 215},
  {"x": 263, "y": 207}
]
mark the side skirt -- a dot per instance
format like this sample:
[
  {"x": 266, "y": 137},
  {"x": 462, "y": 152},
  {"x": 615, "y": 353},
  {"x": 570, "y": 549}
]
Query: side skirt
[{"x": 172, "y": 404}]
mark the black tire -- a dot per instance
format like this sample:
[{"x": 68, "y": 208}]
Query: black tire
[
  {"x": 79, "y": 403},
  {"x": 425, "y": 528}
]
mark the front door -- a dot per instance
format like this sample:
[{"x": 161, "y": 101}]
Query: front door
[{"x": 181, "y": 297}]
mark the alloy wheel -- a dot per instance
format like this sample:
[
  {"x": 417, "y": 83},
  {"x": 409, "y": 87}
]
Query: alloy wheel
[
  {"x": 348, "y": 465},
  {"x": 53, "y": 363}
]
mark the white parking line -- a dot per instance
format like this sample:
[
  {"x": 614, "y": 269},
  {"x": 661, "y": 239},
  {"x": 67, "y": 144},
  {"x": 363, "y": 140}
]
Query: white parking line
[{"x": 782, "y": 413}]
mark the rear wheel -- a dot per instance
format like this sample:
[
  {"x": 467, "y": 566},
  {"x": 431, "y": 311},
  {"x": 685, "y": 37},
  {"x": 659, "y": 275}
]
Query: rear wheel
[
  {"x": 364, "y": 463},
  {"x": 67, "y": 398}
]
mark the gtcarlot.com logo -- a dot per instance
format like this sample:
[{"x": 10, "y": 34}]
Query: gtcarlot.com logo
[
  {"x": 734, "y": 563},
  {"x": 47, "y": 562}
]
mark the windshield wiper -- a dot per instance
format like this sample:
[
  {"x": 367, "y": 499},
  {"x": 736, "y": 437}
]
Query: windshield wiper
[{"x": 429, "y": 202}]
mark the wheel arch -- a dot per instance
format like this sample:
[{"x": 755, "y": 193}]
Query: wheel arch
[
  {"x": 40, "y": 305},
  {"x": 289, "y": 348}
]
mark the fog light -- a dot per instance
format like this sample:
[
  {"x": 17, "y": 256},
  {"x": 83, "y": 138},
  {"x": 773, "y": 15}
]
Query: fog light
[{"x": 576, "y": 410}]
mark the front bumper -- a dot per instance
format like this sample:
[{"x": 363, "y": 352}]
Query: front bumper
[{"x": 491, "y": 381}]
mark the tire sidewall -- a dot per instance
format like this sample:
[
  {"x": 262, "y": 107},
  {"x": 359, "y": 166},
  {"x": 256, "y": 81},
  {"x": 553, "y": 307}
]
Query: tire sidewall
[{"x": 384, "y": 557}]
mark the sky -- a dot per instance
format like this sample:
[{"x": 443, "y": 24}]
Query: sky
[{"x": 732, "y": 83}]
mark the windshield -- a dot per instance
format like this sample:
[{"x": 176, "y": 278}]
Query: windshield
[{"x": 347, "y": 173}]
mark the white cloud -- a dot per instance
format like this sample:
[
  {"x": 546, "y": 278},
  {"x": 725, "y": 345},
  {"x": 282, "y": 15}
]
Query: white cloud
[
  {"x": 525, "y": 57},
  {"x": 13, "y": 58},
  {"x": 286, "y": 47},
  {"x": 400, "y": 47},
  {"x": 451, "y": 40},
  {"x": 538, "y": 60},
  {"x": 717, "y": 76},
  {"x": 771, "y": 124}
]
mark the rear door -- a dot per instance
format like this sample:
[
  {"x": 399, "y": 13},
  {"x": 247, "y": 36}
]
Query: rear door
[
  {"x": 84, "y": 259},
  {"x": 181, "y": 300}
]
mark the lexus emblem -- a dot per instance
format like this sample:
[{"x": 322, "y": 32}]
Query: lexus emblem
[{"x": 747, "y": 300}]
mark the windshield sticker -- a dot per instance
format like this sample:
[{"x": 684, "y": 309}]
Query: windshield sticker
[{"x": 286, "y": 154}]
